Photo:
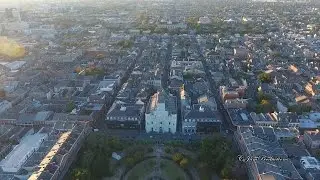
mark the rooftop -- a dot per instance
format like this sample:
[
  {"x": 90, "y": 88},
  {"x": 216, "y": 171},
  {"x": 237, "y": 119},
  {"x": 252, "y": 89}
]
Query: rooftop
[
  {"x": 125, "y": 110},
  {"x": 47, "y": 159},
  {"x": 309, "y": 162},
  {"x": 14, "y": 160},
  {"x": 260, "y": 141},
  {"x": 201, "y": 112},
  {"x": 240, "y": 117},
  {"x": 162, "y": 97},
  {"x": 314, "y": 135}
]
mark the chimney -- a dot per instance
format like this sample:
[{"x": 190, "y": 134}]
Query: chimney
[
  {"x": 201, "y": 109},
  {"x": 123, "y": 108}
]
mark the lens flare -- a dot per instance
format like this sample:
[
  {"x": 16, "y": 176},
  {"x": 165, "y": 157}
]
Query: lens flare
[{"x": 11, "y": 48}]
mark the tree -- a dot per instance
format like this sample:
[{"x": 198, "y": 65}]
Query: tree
[
  {"x": 192, "y": 22},
  {"x": 225, "y": 173},
  {"x": 87, "y": 159},
  {"x": 100, "y": 165},
  {"x": 264, "y": 102},
  {"x": 70, "y": 106},
  {"x": 299, "y": 109},
  {"x": 265, "y": 77},
  {"x": 78, "y": 69},
  {"x": 94, "y": 157},
  {"x": 2, "y": 93},
  {"x": 129, "y": 162},
  {"x": 184, "y": 162},
  {"x": 138, "y": 156},
  {"x": 262, "y": 96},
  {"x": 264, "y": 105},
  {"x": 167, "y": 150},
  {"x": 317, "y": 154},
  {"x": 80, "y": 174},
  {"x": 215, "y": 153},
  {"x": 125, "y": 43},
  {"x": 177, "y": 157}
]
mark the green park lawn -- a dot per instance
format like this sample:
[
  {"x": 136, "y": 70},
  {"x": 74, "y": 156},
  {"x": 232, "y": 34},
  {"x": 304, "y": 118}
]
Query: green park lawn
[{"x": 168, "y": 169}]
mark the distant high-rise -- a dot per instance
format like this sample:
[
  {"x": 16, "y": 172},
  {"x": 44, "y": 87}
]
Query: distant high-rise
[
  {"x": 10, "y": 18},
  {"x": 10, "y": 12}
]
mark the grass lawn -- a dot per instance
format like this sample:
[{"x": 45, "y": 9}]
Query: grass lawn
[
  {"x": 172, "y": 170},
  {"x": 141, "y": 170},
  {"x": 168, "y": 168},
  {"x": 204, "y": 175}
]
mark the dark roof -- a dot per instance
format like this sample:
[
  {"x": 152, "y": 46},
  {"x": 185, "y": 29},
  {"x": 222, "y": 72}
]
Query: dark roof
[
  {"x": 26, "y": 117},
  {"x": 315, "y": 174},
  {"x": 30, "y": 117},
  {"x": 169, "y": 100},
  {"x": 125, "y": 110},
  {"x": 200, "y": 112},
  {"x": 258, "y": 145},
  {"x": 174, "y": 83}
]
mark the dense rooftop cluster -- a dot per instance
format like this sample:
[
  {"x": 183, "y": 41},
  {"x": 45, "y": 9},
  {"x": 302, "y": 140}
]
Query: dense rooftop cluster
[{"x": 187, "y": 68}]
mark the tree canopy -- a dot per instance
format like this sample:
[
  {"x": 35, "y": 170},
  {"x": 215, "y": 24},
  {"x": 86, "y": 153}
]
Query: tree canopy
[
  {"x": 125, "y": 43},
  {"x": 299, "y": 109},
  {"x": 70, "y": 106},
  {"x": 265, "y": 77},
  {"x": 264, "y": 103},
  {"x": 93, "y": 158},
  {"x": 216, "y": 154}
]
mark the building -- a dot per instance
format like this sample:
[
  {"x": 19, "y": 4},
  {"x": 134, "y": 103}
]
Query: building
[
  {"x": 255, "y": 141},
  {"x": 313, "y": 89},
  {"x": 4, "y": 106},
  {"x": 281, "y": 108},
  {"x": 208, "y": 101},
  {"x": 310, "y": 121},
  {"x": 312, "y": 139},
  {"x": 172, "y": 26},
  {"x": 303, "y": 100},
  {"x": 228, "y": 93},
  {"x": 15, "y": 65},
  {"x": 263, "y": 119},
  {"x": 19, "y": 155},
  {"x": 313, "y": 175},
  {"x": 56, "y": 153},
  {"x": 125, "y": 116},
  {"x": 200, "y": 119},
  {"x": 11, "y": 19},
  {"x": 241, "y": 52},
  {"x": 293, "y": 68},
  {"x": 35, "y": 119},
  {"x": 204, "y": 20},
  {"x": 275, "y": 119},
  {"x": 236, "y": 103},
  {"x": 240, "y": 117},
  {"x": 107, "y": 86},
  {"x": 308, "y": 162},
  {"x": 155, "y": 78},
  {"x": 161, "y": 113}
]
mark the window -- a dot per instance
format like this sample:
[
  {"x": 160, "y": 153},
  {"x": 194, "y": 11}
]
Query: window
[
  {"x": 160, "y": 122},
  {"x": 169, "y": 123}
]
